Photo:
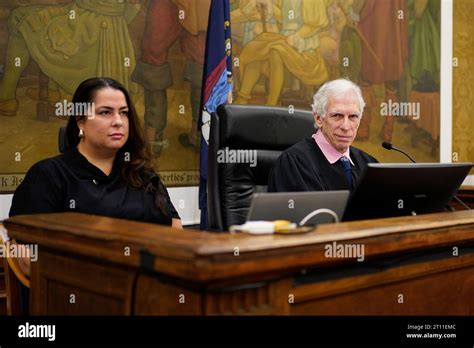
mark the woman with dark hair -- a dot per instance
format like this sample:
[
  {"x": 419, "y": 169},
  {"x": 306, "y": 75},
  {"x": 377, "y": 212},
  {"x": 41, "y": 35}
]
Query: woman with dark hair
[{"x": 107, "y": 168}]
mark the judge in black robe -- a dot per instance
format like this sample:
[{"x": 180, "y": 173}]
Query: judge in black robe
[
  {"x": 326, "y": 161},
  {"x": 303, "y": 167}
]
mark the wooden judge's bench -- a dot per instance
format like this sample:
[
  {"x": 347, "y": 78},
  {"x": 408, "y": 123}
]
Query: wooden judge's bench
[{"x": 91, "y": 265}]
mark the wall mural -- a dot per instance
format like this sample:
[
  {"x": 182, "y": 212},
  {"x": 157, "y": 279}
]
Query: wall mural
[
  {"x": 283, "y": 51},
  {"x": 154, "y": 48}
]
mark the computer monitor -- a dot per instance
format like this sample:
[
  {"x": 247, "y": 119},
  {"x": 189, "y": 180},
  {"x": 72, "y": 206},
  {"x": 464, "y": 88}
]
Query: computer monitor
[
  {"x": 326, "y": 206},
  {"x": 388, "y": 190}
]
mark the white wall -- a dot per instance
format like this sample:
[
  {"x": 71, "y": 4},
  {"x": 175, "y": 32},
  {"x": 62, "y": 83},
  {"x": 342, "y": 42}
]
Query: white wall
[
  {"x": 5, "y": 202},
  {"x": 185, "y": 200},
  {"x": 446, "y": 78},
  {"x": 446, "y": 85}
]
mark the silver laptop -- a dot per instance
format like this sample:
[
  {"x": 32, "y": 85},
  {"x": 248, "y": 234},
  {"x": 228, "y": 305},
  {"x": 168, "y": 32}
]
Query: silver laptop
[{"x": 303, "y": 208}]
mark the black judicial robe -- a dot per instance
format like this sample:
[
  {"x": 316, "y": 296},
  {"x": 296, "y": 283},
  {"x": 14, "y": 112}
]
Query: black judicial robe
[
  {"x": 303, "y": 167},
  {"x": 69, "y": 182}
]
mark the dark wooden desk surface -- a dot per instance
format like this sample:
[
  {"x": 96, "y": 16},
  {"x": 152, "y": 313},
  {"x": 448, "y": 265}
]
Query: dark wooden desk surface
[{"x": 87, "y": 256}]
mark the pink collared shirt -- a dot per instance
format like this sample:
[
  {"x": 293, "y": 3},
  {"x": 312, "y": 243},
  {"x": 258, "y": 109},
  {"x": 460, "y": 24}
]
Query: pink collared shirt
[{"x": 331, "y": 154}]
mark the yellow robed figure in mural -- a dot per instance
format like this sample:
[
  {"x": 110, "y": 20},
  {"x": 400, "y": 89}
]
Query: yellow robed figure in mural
[{"x": 295, "y": 47}]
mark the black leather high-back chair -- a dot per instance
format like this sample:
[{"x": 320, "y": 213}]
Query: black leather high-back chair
[{"x": 267, "y": 130}]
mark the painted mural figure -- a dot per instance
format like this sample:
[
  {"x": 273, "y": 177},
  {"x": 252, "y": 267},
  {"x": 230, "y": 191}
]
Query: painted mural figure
[
  {"x": 422, "y": 81},
  {"x": 330, "y": 38},
  {"x": 251, "y": 18},
  {"x": 296, "y": 47},
  {"x": 425, "y": 45},
  {"x": 380, "y": 62},
  {"x": 169, "y": 21},
  {"x": 70, "y": 43}
]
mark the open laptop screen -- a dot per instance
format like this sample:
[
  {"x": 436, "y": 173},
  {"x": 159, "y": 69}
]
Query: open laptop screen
[{"x": 326, "y": 206}]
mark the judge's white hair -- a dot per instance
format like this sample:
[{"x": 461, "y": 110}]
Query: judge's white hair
[{"x": 334, "y": 88}]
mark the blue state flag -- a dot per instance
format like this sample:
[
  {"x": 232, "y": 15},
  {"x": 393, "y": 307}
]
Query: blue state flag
[{"x": 216, "y": 87}]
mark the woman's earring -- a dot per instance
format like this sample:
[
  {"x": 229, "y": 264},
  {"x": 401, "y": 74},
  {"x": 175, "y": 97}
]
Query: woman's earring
[{"x": 81, "y": 133}]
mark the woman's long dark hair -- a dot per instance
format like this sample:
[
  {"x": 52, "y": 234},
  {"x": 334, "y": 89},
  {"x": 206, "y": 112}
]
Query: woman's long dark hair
[{"x": 139, "y": 169}]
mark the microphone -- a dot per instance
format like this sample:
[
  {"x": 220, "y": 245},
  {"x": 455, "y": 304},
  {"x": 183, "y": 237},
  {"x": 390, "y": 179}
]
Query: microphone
[{"x": 389, "y": 146}]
